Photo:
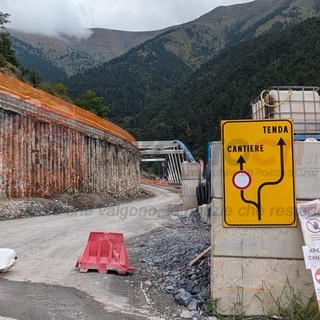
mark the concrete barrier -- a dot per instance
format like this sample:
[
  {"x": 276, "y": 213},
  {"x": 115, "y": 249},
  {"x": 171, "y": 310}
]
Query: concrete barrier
[
  {"x": 251, "y": 268},
  {"x": 190, "y": 175}
]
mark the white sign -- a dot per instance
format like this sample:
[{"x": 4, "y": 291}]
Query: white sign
[
  {"x": 309, "y": 215},
  {"x": 311, "y": 257}
]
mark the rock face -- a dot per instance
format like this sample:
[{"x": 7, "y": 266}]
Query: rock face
[{"x": 164, "y": 258}]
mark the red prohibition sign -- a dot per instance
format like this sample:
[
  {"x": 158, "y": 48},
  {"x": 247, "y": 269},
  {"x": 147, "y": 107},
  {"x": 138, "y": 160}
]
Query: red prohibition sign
[
  {"x": 317, "y": 275},
  {"x": 241, "y": 179},
  {"x": 313, "y": 225}
]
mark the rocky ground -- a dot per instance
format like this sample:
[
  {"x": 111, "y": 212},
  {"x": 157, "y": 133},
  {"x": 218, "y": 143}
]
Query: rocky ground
[{"x": 174, "y": 289}]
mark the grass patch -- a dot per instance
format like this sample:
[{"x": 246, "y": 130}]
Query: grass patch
[{"x": 291, "y": 304}]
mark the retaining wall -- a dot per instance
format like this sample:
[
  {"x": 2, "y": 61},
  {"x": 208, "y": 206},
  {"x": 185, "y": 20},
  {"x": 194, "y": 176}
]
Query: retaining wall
[{"x": 48, "y": 146}]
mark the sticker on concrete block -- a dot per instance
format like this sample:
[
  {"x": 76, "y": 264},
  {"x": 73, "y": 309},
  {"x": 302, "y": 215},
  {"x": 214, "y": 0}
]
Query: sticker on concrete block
[
  {"x": 316, "y": 281},
  {"x": 309, "y": 215},
  {"x": 311, "y": 257}
]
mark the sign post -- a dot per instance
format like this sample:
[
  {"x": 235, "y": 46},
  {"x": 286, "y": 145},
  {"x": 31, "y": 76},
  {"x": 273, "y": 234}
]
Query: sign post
[{"x": 258, "y": 173}]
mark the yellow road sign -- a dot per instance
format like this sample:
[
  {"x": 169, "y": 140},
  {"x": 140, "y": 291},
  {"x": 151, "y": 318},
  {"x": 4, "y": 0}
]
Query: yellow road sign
[{"x": 258, "y": 173}]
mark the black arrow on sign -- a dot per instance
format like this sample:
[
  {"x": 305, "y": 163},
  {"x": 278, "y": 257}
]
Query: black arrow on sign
[
  {"x": 257, "y": 204},
  {"x": 241, "y": 161},
  {"x": 281, "y": 143}
]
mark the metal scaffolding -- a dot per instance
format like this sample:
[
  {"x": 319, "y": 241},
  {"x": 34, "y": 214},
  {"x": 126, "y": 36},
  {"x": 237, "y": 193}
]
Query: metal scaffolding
[{"x": 170, "y": 153}]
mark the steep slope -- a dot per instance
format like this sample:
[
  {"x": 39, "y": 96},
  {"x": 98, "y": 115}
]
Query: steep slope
[
  {"x": 34, "y": 58},
  {"x": 106, "y": 44},
  {"x": 197, "y": 41},
  {"x": 53, "y": 50},
  {"x": 224, "y": 87},
  {"x": 75, "y": 55},
  {"x": 134, "y": 80}
]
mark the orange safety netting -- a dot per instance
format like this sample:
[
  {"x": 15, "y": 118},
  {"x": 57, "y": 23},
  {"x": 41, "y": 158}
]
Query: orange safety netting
[{"x": 24, "y": 92}]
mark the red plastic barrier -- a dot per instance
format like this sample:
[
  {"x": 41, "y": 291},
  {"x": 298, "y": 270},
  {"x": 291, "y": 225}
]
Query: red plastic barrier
[{"x": 105, "y": 251}]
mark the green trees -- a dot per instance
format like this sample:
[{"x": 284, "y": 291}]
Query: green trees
[
  {"x": 7, "y": 54},
  {"x": 90, "y": 101},
  {"x": 224, "y": 87}
]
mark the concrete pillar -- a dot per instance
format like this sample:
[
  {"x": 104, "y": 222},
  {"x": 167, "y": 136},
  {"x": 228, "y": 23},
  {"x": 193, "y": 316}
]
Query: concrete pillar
[
  {"x": 252, "y": 267},
  {"x": 190, "y": 176}
]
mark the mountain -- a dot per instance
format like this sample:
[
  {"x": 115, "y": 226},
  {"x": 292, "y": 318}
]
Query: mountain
[
  {"x": 223, "y": 88},
  {"x": 194, "y": 42},
  {"x": 72, "y": 55},
  {"x": 34, "y": 58},
  {"x": 180, "y": 83},
  {"x": 106, "y": 44},
  {"x": 135, "y": 81}
]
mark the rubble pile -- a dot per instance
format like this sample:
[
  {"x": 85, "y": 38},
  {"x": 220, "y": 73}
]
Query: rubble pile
[
  {"x": 63, "y": 203},
  {"x": 165, "y": 255},
  {"x": 14, "y": 209}
]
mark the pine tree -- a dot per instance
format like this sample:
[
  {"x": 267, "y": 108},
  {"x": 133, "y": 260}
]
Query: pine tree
[{"x": 6, "y": 52}]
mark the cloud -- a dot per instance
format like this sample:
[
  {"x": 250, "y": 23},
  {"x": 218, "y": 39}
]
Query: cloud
[
  {"x": 45, "y": 17},
  {"x": 74, "y": 17}
]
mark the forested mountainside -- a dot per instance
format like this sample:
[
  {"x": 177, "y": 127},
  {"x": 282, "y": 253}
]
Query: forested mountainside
[
  {"x": 72, "y": 55},
  {"x": 194, "y": 42},
  {"x": 134, "y": 81},
  {"x": 33, "y": 58},
  {"x": 224, "y": 87}
]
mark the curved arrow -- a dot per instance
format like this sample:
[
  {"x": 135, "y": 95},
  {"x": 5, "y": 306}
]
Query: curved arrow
[
  {"x": 241, "y": 161},
  {"x": 257, "y": 204},
  {"x": 281, "y": 143}
]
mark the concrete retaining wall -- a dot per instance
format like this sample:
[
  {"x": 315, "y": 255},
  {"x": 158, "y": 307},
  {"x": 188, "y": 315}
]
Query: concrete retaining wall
[
  {"x": 252, "y": 267},
  {"x": 43, "y": 153}
]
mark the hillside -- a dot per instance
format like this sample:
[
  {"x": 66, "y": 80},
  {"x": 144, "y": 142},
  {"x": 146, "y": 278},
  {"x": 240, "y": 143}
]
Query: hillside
[
  {"x": 106, "y": 44},
  {"x": 137, "y": 79},
  {"x": 72, "y": 55},
  {"x": 194, "y": 42},
  {"x": 34, "y": 58},
  {"x": 224, "y": 87}
]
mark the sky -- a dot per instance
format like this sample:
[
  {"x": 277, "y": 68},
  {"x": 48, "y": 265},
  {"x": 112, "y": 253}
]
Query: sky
[{"x": 73, "y": 17}]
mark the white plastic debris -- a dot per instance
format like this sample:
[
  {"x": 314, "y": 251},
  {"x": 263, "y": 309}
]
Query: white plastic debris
[{"x": 8, "y": 259}]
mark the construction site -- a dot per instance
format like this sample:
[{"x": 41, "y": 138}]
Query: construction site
[
  {"x": 58, "y": 160},
  {"x": 168, "y": 248}
]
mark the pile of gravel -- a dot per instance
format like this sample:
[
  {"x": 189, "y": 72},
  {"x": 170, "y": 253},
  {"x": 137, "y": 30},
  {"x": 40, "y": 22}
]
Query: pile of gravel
[{"x": 164, "y": 258}]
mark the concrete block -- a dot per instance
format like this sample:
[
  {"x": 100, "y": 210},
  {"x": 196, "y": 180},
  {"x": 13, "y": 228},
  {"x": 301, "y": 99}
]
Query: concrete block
[
  {"x": 251, "y": 286},
  {"x": 255, "y": 264},
  {"x": 190, "y": 170},
  {"x": 190, "y": 202},
  {"x": 203, "y": 211},
  {"x": 254, "y": 242},
  {"x": 307, "y": 162},
  {"x": 216, "y": 171},
  {"x": 189, "y": 187}
]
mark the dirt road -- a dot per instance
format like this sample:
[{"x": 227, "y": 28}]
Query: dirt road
[{"x": 45, "y": 285}]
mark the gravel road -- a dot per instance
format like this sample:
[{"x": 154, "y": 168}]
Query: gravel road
[{"x": 45, "y": 284}]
